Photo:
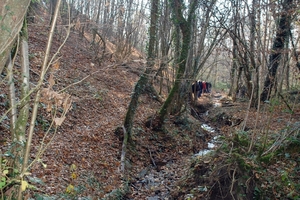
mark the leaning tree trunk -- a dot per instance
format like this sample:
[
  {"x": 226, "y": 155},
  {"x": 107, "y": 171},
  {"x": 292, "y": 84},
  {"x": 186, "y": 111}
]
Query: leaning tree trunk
[
  {"x": 141, "y": 84},
  {"x": 24, "y": 111},
  {"x": 11, "y": 25},
  {"x": 23, "y": 115},
  {"x": 173, "y": 100},
  {"x": 282, "y": 35},
  {"x": 19, "y": 120}
]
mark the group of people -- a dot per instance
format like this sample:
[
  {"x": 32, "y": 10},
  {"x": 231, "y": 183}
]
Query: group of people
[{"x": 201, "y": 87}]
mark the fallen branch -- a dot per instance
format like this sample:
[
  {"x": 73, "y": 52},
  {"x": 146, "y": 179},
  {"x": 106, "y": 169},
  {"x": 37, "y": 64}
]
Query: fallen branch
[
  {"x": 196, "y": 113},
  {"x": 227, "y": 105},
  {"x": 286, "y": 103},
  {"x": 153, "y": 161}
]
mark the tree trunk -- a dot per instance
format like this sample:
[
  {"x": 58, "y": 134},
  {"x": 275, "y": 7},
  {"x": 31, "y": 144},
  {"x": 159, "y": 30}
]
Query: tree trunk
[
  {"x": 24, "y": 111},
  {"x": 141, "y": 84},
  {"x": 12, "y": 96},
  {"x": 22, "y": 118},
  {"x": 11, "y": 25},
  {"x": 173, "y": 100},
  {"x": 233, "y": 72},
  {"x": 36, "y": 101},
  {"x": 52, "y": 9},
  {"x": 282, "y": 34},
  {"x": 99, "y": 11},
  {"x": 294, "y": 50},
  {"x": 251, "y": 83}
]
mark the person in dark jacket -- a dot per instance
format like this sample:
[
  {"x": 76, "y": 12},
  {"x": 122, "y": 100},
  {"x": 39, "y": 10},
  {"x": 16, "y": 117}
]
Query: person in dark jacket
[
  {"x": 208, "y": 87},
  {"x": 196, "y": 88},
  {"x": 201, "y": 87}
]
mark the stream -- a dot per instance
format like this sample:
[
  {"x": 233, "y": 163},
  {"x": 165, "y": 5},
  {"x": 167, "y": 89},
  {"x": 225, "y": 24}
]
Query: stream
[
  {"x": 159, "y": 184},
  {"x": 211, "y": 144}
]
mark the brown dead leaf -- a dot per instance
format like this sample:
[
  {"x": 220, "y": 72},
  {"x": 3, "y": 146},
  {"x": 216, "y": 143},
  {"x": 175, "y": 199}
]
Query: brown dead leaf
[
  {"x": 49, "y": 107},
  {"x": 58, "y": 121},
  {"x": 51, "y": 81},
  {"x": 67, "y": 103},
  {"x": 55, "y": 66},
  {"x": 108, "y": 188}
]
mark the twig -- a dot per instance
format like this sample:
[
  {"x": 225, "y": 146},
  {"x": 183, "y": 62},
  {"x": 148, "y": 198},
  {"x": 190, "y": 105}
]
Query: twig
[
  {"x": 232, "y": 183},
  {"x": 78, "y": 81},
  {"x": 134, "y": 186},
  {"x": 285, "y": 102},
  {"x": 199, "y": 117},
  {"x": 170, "y": 189},
  {"x": 153, "y": 162},
  {"x": 280, "y": 140}
]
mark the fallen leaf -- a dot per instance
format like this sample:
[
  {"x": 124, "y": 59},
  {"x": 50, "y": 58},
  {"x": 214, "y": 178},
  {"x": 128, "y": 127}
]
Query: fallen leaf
[
  {"x": 59, "y": 120},
  {"x": 24, "y": 185}
]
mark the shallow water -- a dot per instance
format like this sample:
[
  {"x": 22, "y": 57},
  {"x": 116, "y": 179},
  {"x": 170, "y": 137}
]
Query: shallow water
[{"x": 210, "y": 145}]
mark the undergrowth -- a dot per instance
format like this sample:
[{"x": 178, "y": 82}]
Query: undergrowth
[{"x": 267, "y": 171}]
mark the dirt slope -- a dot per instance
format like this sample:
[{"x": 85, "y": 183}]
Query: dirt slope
[
  {"x": 85, "y": 152},
  {"x": 86, "y": 139}
]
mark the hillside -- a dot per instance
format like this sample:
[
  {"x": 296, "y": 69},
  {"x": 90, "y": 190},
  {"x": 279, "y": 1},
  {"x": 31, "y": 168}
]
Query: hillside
[{"x": 83, "y": 159}]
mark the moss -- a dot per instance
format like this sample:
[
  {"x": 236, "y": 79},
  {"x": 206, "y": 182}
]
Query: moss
[
  {"x": 241, "y": 139},
  {"x": 267, "y": 158},
  {"x": 241, "y": 162}
]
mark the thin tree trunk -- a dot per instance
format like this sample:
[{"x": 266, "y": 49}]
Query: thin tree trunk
[
  {"x": 141, "y": 84},
  {"x": 233, "y": 76},
  {"x": 99, "y": 11},
  {"x": 36, "y": 101},
  {"x": 52, "y": 9},
  {"x": 294, "y": 50},
  {"x": 24, "y": 112},
  {"x": 12, "y": 96},
  {"x": 20, "y": 121}
]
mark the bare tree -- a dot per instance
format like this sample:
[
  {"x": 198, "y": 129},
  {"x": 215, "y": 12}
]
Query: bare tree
[
  {"x": 141, "y": 84},
  {"x": 282, "y": 34},
  {"x": 164, "y": 41},
  {"x": 173, "y": 102}
]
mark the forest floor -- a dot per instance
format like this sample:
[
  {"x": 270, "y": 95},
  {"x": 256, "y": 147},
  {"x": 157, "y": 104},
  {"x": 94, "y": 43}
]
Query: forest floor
[{"x": 83, "y": 158}]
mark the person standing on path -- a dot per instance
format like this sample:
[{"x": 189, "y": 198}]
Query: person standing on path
[
  {"x": 196, "y": 89},
  {"x": 204, "y": 87},
  {"x": 200, "y": 90}
]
